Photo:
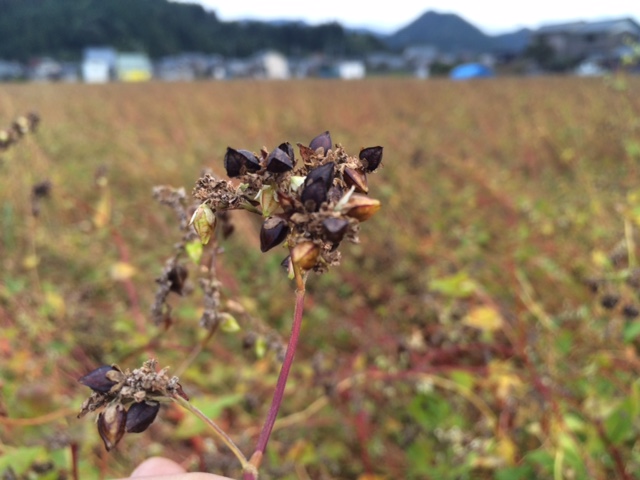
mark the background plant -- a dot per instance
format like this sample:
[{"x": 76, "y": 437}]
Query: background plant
[{"x": 463, "y": 338}]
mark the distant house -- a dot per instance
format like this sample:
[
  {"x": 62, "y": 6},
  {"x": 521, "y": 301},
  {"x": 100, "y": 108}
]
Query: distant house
[
  {"x": 10, "y": 70},
  {"x": 271, "y": 65},
  {"x": 350, "y": 69},
  {"x": 580, "y": 40},
  {"x": 383, "y": 62},
  {"x": 190, "y": 66},
  {"x": 45, "y": 69},
  {"x": 133, "y": 67},
  {"x": 98, "y": 64}
]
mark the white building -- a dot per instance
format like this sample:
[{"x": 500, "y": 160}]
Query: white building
[
  {"x": 98, "y": 65},
  {"x": 272, "y": 65},
  {"x": 351, "y": 69}
]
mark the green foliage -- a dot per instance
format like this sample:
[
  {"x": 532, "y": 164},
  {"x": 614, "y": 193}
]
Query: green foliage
[{"x": 158, "y": 27}]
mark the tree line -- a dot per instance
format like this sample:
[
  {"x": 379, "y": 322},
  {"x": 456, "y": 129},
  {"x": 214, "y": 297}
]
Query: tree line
[{"x": 63, "y": 28}]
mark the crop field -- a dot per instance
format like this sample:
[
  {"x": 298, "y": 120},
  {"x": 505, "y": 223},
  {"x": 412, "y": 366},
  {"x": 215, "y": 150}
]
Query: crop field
[{"x": 487, "y": 325}]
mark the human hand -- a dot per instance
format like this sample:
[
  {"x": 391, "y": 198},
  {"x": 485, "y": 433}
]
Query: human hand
[{"x": 158, "y": 468}]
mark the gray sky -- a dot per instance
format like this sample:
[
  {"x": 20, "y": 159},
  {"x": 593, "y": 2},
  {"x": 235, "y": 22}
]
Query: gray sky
[{"x": 491, "y": 16}]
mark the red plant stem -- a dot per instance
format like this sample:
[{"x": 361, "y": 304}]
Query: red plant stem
[
  {"x": 261, "y": 446},
  {"x": 74, "y": 461}
]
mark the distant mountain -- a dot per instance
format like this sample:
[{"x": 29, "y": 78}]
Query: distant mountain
[
  {"x": 513, "y": 42},
  {"x": 451, "y": 33},
  {"x": 446, "y": 31}
]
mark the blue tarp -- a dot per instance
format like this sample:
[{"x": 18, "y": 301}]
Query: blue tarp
[{"x": 470, "y": 70}]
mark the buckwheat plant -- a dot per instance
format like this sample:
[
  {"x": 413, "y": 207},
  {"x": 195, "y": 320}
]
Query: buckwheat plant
[{"x": 309, "y": 204}]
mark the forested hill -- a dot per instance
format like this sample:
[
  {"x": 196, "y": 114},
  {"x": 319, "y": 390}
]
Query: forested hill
[{"x": 62, "y": 28}]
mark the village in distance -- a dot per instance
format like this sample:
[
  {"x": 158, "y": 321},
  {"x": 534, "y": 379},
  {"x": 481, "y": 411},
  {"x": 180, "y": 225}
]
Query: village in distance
[{"x": 579, "y": 48}]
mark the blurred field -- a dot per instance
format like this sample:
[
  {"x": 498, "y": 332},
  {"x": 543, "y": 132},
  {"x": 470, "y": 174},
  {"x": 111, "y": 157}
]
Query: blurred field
[{"x": 486, "y": 326}]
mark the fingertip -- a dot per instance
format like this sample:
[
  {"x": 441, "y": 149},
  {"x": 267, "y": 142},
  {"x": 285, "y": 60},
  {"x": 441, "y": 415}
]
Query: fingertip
[{"x": 157, "y": 466}]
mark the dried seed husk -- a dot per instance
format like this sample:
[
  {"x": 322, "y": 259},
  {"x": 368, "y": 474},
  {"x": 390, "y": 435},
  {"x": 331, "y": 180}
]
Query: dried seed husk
[
  {"x": 177, "y": 276},
  {"x": 371, "y": 158},
  {"x": 356, "y": 178},
  {"x": 361, "y": 208},
  {"x": 305, "y": 255},
  {"x": 111, "y": 425}
]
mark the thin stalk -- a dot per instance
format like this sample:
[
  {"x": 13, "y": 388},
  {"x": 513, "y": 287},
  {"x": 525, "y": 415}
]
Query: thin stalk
[
  {"x": 278, "y": 394},
  {"x": 218, "y": 431}
]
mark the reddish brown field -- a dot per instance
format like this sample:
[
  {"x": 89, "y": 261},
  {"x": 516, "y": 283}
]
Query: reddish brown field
[{"x": 485, "y": 327}]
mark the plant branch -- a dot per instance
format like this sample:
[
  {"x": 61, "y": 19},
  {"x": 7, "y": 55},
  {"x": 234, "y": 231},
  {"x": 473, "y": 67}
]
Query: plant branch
[
  {"x": 278, "y": 394},
  {"x": 218, "y": 431}
]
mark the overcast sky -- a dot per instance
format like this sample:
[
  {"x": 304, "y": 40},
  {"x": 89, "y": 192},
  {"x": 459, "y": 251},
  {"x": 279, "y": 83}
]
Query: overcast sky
[{"x": 491, "y": 16}]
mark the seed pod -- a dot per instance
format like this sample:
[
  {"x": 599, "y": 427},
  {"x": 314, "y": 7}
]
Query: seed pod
[
  {"x": 323, "y": 140},
  {"x": 204, "y": 222},
  {"x": 5, "y": 139},
  {"x": 285, "y": 200},
  {"x": 335, "y": 228},
  {"x": 41, "y": 189},
  {"x": 316, "y": 185},
  {"x": 97, "y": 380},
  {"x": 371, "y": 158},
  {"x": 177, "y": 276},
  {"x": 313, "y": 195},
  {"x": 361, "y": 208},
  {"x": 235, "y": 160},
  {"x": 356, "y": 178},
  {"x": 305, "y": 255},
  {"x": 279, "y": 161},
  {"x": 111, "y": 424},
  {"x": 323, "y": 173},
  {"x": 287, "y": 148},
  {"x": 273, "y": 232},
  {"x": 334, "y": 194},
  {"x": 287, "y": 266},
  {"x": 609, "y": 301},
  {"x": 630, "y": 311},
  {"x": 140, "y": 416}
]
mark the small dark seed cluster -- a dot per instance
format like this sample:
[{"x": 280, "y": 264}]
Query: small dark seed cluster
[
  {"x": 310, "y": 204},
  {"x": 20, "y": 127},
  {"x": 618, "y": 298},
  {"x": 129, "y": 400}
]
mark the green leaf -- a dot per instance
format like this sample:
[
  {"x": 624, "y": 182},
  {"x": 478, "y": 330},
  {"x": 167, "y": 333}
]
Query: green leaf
[
  {"x": 631, "y": 331},
  {"x": 261, "y": 347},
  {"x": 619, "y": 425},
  {"x": 456, "y": 286},
  {"x": 20, "y": 459},
  {"x": 229, "y": 324},
  {"x": 194, "y": 251},
  {"x": 514, "y": 473}
]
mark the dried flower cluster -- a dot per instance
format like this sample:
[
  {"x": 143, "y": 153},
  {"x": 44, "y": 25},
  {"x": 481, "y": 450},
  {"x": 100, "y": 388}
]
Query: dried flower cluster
[
  {"x": 309, "y": 204},
  {"x": 21, "y": 126},
  {"x": 129, "y": 400}
]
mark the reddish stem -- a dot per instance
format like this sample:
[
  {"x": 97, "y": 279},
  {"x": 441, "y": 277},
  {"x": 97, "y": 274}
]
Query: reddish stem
[{"x": 261, "y": 446}]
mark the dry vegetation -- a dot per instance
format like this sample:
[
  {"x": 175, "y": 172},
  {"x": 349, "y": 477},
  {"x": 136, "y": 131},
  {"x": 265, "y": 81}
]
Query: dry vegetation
[{"x": 486, "y": 326}]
